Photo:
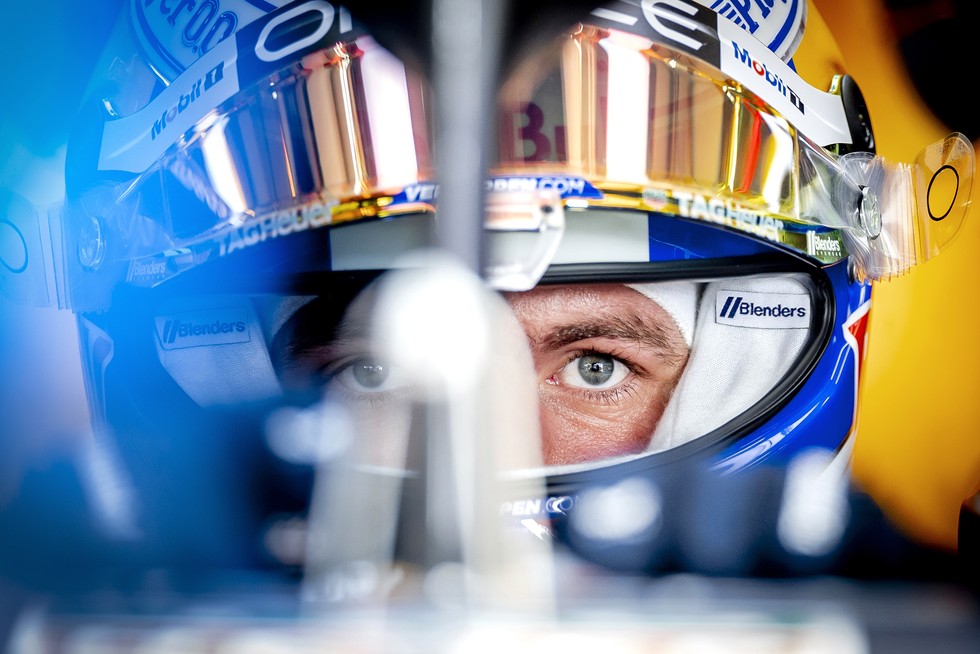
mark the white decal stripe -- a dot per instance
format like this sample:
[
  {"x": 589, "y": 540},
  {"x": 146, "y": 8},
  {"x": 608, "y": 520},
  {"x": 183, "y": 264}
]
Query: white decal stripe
[
  {"x": 615, "y": 16},
  {"x": 856, "y": 349},
  {"x": 823, "y": 119},
  {"x": 129, "y": 143}
]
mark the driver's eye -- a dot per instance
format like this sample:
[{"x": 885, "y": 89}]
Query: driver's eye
[
  {"x": 594, "y": 370},
  {"x": 369, "y": 376}
]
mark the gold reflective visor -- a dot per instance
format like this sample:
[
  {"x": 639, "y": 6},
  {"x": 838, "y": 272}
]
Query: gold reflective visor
[
  {"x": 661, "y": 111},
  {"x": 656, "y": 128}
]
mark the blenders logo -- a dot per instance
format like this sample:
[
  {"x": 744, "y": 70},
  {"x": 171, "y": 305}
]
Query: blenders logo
[
  {"x": 201, "y": 328},
  {"x": 771, "y": 78},
  {"x": 142, "y": 271},
  {"x": 824, "y": 245},
  {"x": 762, "y": 310},
  {"x": 212, "y": 77}
]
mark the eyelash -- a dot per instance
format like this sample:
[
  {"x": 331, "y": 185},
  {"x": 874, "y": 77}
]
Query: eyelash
[
  {"x": 608, "y": 395},
  {"x": 372, "y": 399}
]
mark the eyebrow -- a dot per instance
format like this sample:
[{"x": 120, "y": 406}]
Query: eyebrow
[
  {"x": 345, "y": 339},
  {"x": 629, "y": 327},
  {"x": 308, "y": 335}
]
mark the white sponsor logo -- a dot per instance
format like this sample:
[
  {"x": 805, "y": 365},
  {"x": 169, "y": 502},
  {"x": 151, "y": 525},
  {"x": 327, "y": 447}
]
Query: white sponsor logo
[
  {"x": 819, "y": 244},
  {"x": 535, "y": 507},
  {"x": 726, "y": 212}
]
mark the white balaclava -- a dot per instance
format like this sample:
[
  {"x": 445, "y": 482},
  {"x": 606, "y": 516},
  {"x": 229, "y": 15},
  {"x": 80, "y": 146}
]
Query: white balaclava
[
  {"x": 732, "y": 366},
  {"x": 216, "y": 350},
  {"x": 679, "y": 299}
]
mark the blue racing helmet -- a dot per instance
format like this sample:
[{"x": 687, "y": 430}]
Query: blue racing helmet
[{"x": 240, "y": 182}]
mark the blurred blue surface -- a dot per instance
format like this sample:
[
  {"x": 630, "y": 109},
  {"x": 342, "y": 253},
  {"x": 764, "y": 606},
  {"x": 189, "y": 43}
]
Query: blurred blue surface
[{"x": 47, "y": 51}]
